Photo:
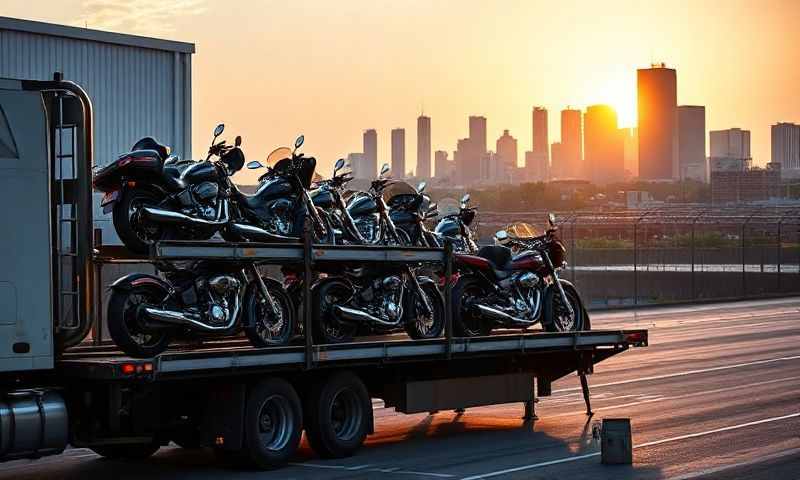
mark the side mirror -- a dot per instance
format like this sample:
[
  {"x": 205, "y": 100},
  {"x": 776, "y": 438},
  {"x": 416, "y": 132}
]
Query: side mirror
[
  {"x": 385, "y": 169},
  {"x": 218, "y": 131},
  {"x": 254, "y": 165},
  {"x": 433, "y": 206},
  {"x": 299, "y": 142},
  {"x": 421, "y": 187},
  {"x": 551, "y": 219},
  {"x": 238, "y": 141},
  {"x": 338, "y": 166},
  {"x": 501, "y": 237},
  {"x": 465, "y": 199}
]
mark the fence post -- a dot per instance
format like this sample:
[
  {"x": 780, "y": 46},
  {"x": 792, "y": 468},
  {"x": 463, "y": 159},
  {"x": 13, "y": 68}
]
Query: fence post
[
  {"x": 780, "y": 253},
  {"x": 691, "y": 246},
  {"x": 744, "y": 265},
  {"x": 635, "y": 263},
  {"x": 572, "y": 248}
]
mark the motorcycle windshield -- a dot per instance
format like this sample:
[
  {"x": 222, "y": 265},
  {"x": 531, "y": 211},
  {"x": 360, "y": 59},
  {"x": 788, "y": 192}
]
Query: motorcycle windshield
[
  {"x": 522, "y": 230},
  {"x": 279, "y": 157},
  {"x": 399, "y": 192}
]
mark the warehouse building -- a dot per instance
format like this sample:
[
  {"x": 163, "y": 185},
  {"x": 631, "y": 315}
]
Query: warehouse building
[{"x": 138, "y": 86}]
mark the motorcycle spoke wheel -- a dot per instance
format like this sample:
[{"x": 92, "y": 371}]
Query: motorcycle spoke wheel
[
  {"x": 270, "y": 320},
  {"x": 332, "y": 328},
  {"x": 132, "y": 324},
  {"x": 562, "y": 319}
]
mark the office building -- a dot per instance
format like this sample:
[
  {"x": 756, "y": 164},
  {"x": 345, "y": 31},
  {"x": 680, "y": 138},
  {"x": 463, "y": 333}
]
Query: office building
[
  {"x": 423, "y": 147},
  {"x": 571, "y": 144},
  {"x": 735, "y": 187},
  {"x": 558, "y": 168},
  {"x": 730, "y": 150},
  {"x": 786, "y": 148},
  {"x": 467, "y": 160},
  {"x": 537, "y": 167},
  {"x": 506, "y": 148},
  {"x": 399, "y": 153},
  {"x": 630, "y": 143},
  {"x": 477, "y": 133},
  {"x": 692, "y": 142},
  {"x": 444, "y": 168},
  {"x": 539, "y": 134},
  {"x": 367, "y": 168},
  {"x": 657, "y": 103},
  {"x": 604, "y": 157}
]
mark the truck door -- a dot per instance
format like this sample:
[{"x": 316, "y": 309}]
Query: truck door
[{"x": 26, "y": 281}]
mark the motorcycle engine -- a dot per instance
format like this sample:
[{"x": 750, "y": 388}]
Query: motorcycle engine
[
  {"x": 367, "y": 226},
  {"x": 199, "y": 200},
  {"x": 382, "y": 298},
  {"x": 280, "y": 219},
  {"x": 222, "y": 291},
  {"x": 527, "y": 297}
]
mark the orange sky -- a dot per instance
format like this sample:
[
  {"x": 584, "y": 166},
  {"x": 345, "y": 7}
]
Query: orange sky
[{"x": 273, "y": 69}]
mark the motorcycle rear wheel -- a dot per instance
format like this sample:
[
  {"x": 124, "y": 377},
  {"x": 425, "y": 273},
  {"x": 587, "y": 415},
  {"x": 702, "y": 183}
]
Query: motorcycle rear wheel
[
  {"x": 327, "y": 328},
  {"x": 465, "y": 323},
  {"x": 124, "y": 328},
  {"x": 136, "y": 236}
]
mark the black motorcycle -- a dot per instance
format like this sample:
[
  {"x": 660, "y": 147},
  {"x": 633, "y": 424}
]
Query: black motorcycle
[
  {"x": 455, "y": 227},
  {"x": 370, "y": 214},
  {"x": 154, "y": 195},
  {"x": 282, "y": 202},
  {"x": 409, "y": 209},
  {"x": 376, "y": 300},
  {"x": 196, "y": 300},
  {"x": 515, "y": 284},
  {"x": 329, "y": 198}
]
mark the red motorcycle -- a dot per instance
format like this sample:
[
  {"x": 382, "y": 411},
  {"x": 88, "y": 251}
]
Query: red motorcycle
[{"x": 515, "y": 284}]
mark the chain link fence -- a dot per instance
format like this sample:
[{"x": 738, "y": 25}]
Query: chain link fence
[{"x": 669, "y": 255}]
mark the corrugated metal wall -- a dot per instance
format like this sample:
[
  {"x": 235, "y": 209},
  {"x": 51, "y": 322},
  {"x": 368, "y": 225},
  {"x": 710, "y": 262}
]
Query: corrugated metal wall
[{"x": 134, "y": 91}]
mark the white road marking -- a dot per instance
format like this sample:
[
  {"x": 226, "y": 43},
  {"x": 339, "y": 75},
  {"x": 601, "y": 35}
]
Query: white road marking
[
  {"x": 364, "y": 468},
  {"x": 659, "y": 398},
  {"x": 646, "y": 444},
  {"x": 722, "y": 468},
  {"x": 684, "y": 373}
]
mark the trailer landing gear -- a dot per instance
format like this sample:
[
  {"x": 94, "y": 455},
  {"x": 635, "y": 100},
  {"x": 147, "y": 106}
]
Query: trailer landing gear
[{"x": 585, "y": 389}]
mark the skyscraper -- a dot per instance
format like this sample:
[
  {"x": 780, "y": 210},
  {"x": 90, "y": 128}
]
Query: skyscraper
[
  {"x": 467, "y": 162},
  {"x": 507, "y": 151},
  {"x": 537, "y": 168},
  {"x": 730, "y": 150},
  {"x": 369, "y": 163},
  {"x": 356, "y": 162},
  {"x": 571, "y": 144},
  {"x": 786, "y": 147},
  {"x": 557, "y": 165},
  {"x": 399, "y": 152},
  {"x": 692, "y": 142},
  {"x": 657, "y": 102},
  {"x": 443, "y": 167},
  {"x": 539, "y": 134},
  {"x": 604, "y": 159},
  {"x": 423, "y": 147},
  {"x": 630, "y": 141},
  {"x": 477, "y": 133}
]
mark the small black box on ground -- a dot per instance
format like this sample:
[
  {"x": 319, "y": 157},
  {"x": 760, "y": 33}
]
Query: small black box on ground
[{"x": 616, "y": 445}]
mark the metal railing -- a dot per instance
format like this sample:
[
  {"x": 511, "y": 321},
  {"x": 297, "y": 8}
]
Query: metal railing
[{"x": 673, "y": 255}]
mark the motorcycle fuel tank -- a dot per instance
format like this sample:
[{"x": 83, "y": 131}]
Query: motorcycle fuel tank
[
  {"x": 363, "y": 205},
  {"x": 448, "y": 227},
  {"x": 200, "y": 172},
  {"x": 322, "y": 198},
  {"x": 273, "y": 188},
  {"x": 528, "y": 260},
  {"x": 401, "y": 217}
]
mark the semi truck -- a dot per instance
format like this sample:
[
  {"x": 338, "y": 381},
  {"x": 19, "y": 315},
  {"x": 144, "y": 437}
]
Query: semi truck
[{"x": 62, "y": 383}]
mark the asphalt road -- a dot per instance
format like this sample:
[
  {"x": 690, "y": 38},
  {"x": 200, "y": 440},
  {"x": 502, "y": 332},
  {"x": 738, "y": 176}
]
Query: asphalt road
[{"x": 715, "y": 395}]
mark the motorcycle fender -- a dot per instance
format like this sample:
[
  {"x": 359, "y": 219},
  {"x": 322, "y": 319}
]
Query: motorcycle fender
[
  {"x": 135, "y": 279},
  {"x": 109, "y": 198}
]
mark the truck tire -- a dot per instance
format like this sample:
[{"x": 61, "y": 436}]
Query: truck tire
[
  {"x": 126, "y": 451},
  {"x": 273, "y": 423},
  {"x": 338, "y": 415}
]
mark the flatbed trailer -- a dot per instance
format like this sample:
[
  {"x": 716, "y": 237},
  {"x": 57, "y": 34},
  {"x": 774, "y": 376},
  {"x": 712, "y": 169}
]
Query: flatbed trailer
[{"x": 59, "y": 389}]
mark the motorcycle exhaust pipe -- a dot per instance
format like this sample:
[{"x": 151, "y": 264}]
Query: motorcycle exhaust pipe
[
  {"x": 355, "y": 315},
  {"x": 255, "y": 234},
  {"x": 183, "y": 319},
  {"x": 159, "y": 215},
  {"x": 500, "y": 316}
]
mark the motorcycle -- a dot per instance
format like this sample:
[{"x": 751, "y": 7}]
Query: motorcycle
[
  {"x": 376, "y": 300},
  {"x": 155, "y": 196},
  {"x": 282, "y": 202},
  {"x": 370, "y": 214},
  {"x": 198, "y": 299},
  {"x": 455, "y": 227},
  {"x": 515, "y": 284},
  {"x": 409, "y": 209},
  {"x": 329, "y": 199}
]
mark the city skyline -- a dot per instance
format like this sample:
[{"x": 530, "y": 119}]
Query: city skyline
[{"x": 329, "y": 71}]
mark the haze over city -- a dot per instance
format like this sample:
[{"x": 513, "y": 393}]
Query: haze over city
[{"x": 272, "y": 70}]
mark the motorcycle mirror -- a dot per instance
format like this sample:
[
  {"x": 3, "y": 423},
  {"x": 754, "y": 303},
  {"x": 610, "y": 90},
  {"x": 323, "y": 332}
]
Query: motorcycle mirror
[
  {"x": 551, "y": 219},
  {"x": 339, "y": 165},
  {"x": 465, "y": 199},
  {"x": 238, "y": 141},
  {"x": 218, "y": 131},
  {"x": 384, "y": 169},
  {"x": 421, "y": 187},
  {"x": 299, "y": 142},
  {"x": 433, "y": 206},
  {"x": 254, "y": 164}
]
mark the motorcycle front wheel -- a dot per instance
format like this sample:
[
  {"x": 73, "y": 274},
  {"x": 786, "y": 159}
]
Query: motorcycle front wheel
[
  {"x": 135, "y": 234},
  {"x": 418, "y": 324},
  {"x": 126, "y": 330},
  {"x": 556, "y": 315},
  {"x": 268, "y": 326}
]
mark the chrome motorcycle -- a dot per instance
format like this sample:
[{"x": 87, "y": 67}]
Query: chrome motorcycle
[
  {"x": 515, "y": 284},
  {"x": 196, "y": 300},
  {"x": 410, "y": 208},
  {"x": 455, "y": 227},
  {"x": 370, "y": 214}
]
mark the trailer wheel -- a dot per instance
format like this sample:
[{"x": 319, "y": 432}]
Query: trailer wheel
[
  {"x": 338, "y": 416},
  {"x": 273, "y": 423},
  {"x": 126, "y": 451}
]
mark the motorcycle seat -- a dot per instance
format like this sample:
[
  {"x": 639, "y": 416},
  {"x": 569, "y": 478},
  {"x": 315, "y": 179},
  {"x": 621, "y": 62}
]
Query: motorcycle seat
[
  {"x": 251, "y": 202},
  {"x": 499, "y": 259},
  {"x": 150, "y": 143}
]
